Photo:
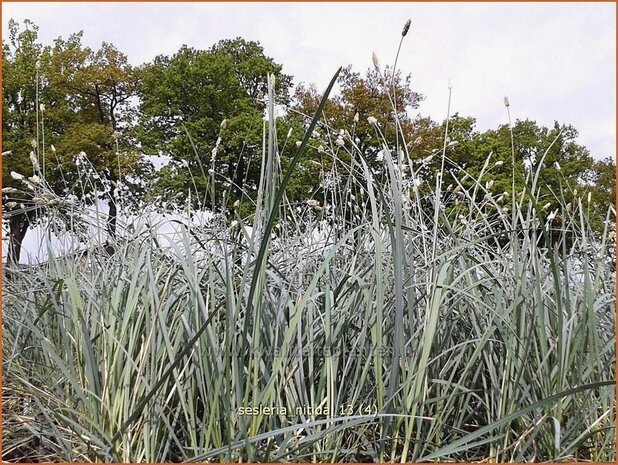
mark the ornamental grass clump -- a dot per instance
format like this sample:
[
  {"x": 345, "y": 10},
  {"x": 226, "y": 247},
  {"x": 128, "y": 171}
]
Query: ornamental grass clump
[{"x": 395, "y": 320}]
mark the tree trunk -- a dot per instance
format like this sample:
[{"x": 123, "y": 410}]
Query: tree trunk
[
  {"x": 18, "y": 227},
  {"x": 112, "y": 217}
]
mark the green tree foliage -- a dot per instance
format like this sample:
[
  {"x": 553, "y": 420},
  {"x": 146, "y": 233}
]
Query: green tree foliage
[
  {"x": 600, "y": 182},
  {"x": 360, "y": 99},
  {"x": 19, "y": 94},
  {"x": 60, "y": 101},
  {"x": 99, "y": 86},
  {"x": 351, "y": 112},
  {"x": 204, "y": 109},
  {"x": 552, "y": 155},
  {"x": 19, "y": 126}
]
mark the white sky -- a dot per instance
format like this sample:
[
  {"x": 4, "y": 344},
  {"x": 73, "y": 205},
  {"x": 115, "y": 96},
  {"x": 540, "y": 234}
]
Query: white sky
[{"x": 553, "y": 61}]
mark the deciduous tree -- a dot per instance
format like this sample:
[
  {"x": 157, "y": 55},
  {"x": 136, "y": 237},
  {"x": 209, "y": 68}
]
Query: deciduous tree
[
  {"x": 60, "y": 101},
  {"x": 204, "y": 109}
]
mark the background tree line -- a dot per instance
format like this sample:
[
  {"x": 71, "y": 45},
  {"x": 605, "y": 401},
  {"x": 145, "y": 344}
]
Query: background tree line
[{"x": 67, "y": 107}]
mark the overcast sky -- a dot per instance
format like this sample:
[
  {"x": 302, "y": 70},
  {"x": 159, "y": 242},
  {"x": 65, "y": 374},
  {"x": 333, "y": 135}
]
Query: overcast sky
[{"x": 553, "y": 61}]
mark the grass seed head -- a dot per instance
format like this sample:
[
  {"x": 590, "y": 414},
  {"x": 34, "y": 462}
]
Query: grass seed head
[
  {"x": 35, "y": 180},
  {"x": 34, "y": 161},
  {"x": 406, "y": 28}
]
